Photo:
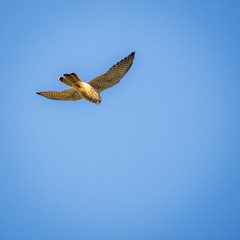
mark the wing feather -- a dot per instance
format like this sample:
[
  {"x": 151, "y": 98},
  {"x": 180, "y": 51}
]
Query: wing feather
[
  {"x": 113, "y": 75},
  {"x": 69, "y": 94}
]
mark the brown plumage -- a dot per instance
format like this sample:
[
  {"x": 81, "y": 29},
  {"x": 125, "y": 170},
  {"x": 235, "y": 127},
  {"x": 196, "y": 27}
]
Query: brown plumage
[{"x": 90, "y": 90}]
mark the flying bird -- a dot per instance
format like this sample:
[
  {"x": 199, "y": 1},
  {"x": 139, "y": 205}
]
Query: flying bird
[{"x": 90, "y": 90}]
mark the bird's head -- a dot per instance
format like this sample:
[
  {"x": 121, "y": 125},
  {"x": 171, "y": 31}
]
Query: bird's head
[{"x": 98, "y": 101}]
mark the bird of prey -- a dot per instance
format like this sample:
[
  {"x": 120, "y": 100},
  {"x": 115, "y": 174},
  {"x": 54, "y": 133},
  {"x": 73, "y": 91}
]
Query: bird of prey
[{"x": 90, "y": 90}]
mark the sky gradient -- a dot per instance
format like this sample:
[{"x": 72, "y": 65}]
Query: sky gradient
[{"x": 158, "y": 158}]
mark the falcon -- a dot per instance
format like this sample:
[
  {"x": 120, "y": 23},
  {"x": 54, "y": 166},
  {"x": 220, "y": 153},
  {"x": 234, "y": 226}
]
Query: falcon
[{"x": 90, "y": 90}]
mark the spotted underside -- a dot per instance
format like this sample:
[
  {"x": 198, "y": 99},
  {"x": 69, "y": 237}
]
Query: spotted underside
[
  {"x": 113, "y": 75},
  {"x": 69, "y": 94}
]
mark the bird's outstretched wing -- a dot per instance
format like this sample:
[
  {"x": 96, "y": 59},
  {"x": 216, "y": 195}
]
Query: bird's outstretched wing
[
  {"x": 113, "y": 75},
  {"x": 69, "y": 94}
]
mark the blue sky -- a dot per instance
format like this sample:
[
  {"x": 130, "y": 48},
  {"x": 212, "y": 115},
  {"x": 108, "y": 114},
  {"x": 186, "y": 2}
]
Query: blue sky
[{"x": 158, "y": 159}]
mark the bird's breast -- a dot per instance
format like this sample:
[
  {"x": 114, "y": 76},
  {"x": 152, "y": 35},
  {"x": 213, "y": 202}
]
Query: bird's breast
[{"x": 88, "y": 92}]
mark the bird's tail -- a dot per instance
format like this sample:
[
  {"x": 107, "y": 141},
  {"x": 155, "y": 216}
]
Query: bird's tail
[{"x": 70, "y": 79}]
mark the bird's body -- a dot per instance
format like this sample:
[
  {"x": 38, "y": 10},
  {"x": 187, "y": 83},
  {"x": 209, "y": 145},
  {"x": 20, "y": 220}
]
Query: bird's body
[{"x": 90, "y": 90}]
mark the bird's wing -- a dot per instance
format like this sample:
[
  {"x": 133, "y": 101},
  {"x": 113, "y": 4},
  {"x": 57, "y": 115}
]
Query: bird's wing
[
  {"x": 113, "y": 75},
  {"x": 69, "y": 94}
]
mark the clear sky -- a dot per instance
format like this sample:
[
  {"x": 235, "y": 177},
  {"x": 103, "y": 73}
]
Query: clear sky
[{"x": 158, "y": 158}]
